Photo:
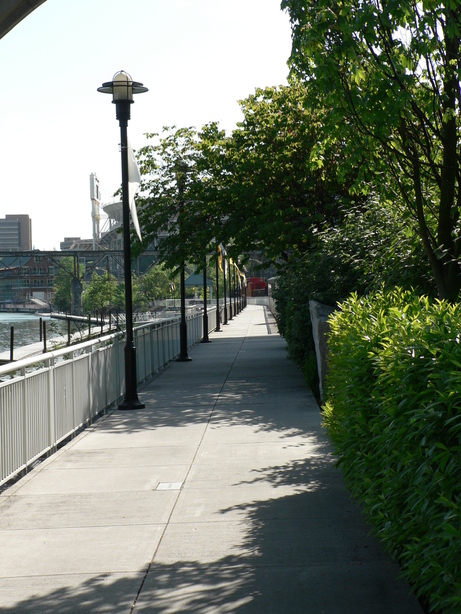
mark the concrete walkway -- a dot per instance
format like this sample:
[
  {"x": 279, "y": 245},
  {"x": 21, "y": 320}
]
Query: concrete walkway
[{"x": 219, "y": 497}]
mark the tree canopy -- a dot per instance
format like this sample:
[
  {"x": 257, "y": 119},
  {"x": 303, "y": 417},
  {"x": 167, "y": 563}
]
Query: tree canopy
[
  {"x": 67, "y": 285},
  {"x": 156, "y": 284},
  {"x": 103, "y": 292},
  {"x": 389, "y": 72},
  {"x": 265, "y": 187},
  {"x": 282, "y": 190},
  {"x": 170, "y": 210}
]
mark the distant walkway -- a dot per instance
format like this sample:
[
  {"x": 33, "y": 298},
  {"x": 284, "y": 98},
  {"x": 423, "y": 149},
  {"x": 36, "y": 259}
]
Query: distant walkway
[{"x": 219, "y": 497}]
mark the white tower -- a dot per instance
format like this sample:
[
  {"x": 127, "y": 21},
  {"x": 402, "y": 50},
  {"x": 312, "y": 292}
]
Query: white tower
[{"x": 95, "y": 196}]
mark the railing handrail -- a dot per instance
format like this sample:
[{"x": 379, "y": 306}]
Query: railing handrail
[
  {"x": 23, "y": 363},
  {"x": 29, "y": 361},
  {"x": 41, "y": 407}
]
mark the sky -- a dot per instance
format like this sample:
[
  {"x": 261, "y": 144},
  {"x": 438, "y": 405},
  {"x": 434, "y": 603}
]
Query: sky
[{"x": 197, "y": 57}]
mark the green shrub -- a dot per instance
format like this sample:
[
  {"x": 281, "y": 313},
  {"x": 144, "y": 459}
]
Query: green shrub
[
  {"x": 294, "y": 323},
  {"x": 373, "y": 245},
  {"x": 293, "y": 318},
  {"x": 369, "y": 246},
  {"x": 393, "y": 410}
]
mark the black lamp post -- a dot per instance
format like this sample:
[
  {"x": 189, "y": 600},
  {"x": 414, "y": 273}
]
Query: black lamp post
[
  {"x": 122, "y": 88},
  {"x": 218, "y": 315},
  {"x": 205, "y": 338},
  {"x": 231, "y": 306},
  {"x": 239, "y": 291},
  {"x": 235, "y": 291},
  {"x": 224, "y": 254},
  {"x": 181, "y": 171}
]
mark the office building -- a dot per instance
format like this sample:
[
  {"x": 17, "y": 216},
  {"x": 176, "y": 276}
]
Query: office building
[{"x": 16, "y": 233}]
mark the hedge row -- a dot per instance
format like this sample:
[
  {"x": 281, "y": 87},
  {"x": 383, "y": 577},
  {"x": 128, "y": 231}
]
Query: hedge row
[{"x": 393, "y": 411}]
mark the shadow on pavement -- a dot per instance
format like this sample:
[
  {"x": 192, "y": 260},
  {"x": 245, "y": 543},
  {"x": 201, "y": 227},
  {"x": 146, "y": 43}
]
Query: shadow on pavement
[{"x": 326, "y": 565}]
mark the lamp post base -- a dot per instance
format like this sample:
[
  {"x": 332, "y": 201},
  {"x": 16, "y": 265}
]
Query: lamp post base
[
  {"x": 183, "y": 355},
  {"x": 183, "y": 359},
  {"x": 132, "y": 403},
  {"x": 131, "y": 400}
]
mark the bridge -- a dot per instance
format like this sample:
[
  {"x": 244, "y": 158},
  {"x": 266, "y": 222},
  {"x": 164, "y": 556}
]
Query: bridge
[
  {"x": 13, "y": 12},
  {"x": 220, "y": 496}
]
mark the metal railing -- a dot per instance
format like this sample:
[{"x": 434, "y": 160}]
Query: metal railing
[{"x": 46, "y": 399}]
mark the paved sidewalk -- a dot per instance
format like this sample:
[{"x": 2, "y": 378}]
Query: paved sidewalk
[{"x": 219, "y": 497}]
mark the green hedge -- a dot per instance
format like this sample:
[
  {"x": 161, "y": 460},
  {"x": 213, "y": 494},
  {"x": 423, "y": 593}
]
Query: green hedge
[
  {"x": 294, "y": 322},
  {"x": 393, "y": 410}
]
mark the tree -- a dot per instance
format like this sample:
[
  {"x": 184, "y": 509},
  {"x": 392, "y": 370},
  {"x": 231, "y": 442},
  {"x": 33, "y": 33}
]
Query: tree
[
  {"x": 280, "y": 189},
  {"x": 66, "y": 283},
  {"x": 101, "y": 293},
  {"x": 156, "y": 283},
  {"x": 168, "y": 166},
  {"x": 180, "y": 209},
  {"x": 265, "y": 187},
  {"x": 62, "y": 287},
  {"x": 389, "y": 72}
]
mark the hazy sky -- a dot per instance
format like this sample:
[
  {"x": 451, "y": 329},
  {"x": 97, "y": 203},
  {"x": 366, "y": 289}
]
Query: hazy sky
[{"x": 197, "y": 57}]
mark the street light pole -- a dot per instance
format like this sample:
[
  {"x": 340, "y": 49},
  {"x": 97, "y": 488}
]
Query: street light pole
[
  {"x": 181, "y": 171},
  {"x": 237, "y": 287},
  {"x": 235, "y": 290},
  {"x": 231, "y": 307},
  {"x": 122, "y": 89},
  {"x": 183, "y": 355},
  {"x": 226, "y": 319},
  {"x": 205, "y": 338},
  {"x": 218, "y": 315}
]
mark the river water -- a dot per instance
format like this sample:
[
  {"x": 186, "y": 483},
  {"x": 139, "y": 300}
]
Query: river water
[{"x": 27, "y": 329}]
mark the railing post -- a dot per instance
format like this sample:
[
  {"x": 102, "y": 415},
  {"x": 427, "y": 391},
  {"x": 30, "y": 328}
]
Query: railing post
[
  {"x": 25, "y": 404},
  {"x": 51, "y": 405}
]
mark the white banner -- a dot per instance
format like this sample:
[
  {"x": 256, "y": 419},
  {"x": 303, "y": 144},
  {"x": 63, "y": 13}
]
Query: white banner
[{"x": 134, "y": 181}]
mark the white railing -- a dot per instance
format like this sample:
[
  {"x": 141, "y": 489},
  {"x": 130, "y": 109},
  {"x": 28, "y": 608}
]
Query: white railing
[{"x": 46, "y": 399}]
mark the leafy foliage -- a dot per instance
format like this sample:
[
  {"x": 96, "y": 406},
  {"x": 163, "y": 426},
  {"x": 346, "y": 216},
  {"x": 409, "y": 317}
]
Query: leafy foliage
[
  {"x": 177, "y": 210},
  {"x": 156, "y": 283},
  {"x": 64, "y": 283},
  {"x": 264, "y": 188},
  {"x": 62, "y": 287},
  {"x": 368, "y": 249},
  {"x": 394, "y": 413},
  {"x": 389, "y": 73},
  {"x": 291, "y": 294},
  {"x": 279, "y": 188},
  {"x": 103, "y": 292},
  {"x": 374, "y": 245}
]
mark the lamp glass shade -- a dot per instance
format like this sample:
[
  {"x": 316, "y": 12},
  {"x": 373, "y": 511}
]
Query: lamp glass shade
[{"x": 122, "y": 87}]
